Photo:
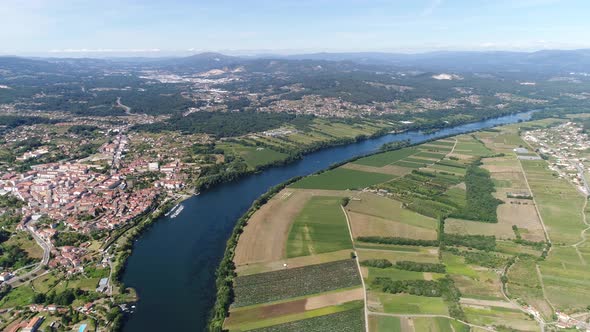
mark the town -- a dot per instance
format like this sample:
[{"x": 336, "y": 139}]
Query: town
[{"x": 565, "y": 146}]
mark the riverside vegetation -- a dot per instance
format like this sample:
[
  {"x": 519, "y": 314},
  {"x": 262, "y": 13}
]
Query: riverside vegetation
[{"x": 455, "y": 244}]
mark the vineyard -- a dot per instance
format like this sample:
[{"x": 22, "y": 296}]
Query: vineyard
[
  {"x": 346, "y": 321},
  {"x": 289, "y": 283}
]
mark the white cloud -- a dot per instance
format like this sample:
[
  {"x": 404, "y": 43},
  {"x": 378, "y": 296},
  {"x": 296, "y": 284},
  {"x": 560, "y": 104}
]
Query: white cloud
[{"x": 487, "y": 45}]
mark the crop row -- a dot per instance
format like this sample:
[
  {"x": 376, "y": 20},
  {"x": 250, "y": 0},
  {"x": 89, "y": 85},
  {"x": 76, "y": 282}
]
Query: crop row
[
  {"x": 300, "y": 281},
  {"x": 345, "y": 321}
]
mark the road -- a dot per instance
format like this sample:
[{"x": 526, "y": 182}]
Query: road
[
  {"x": 126, "y": 108},
  {"x": 581, "y": 175},
  {"x": 358, "y": 265}
]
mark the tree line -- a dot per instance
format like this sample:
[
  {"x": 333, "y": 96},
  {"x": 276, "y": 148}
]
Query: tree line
[{"x": 480, "y": 205}]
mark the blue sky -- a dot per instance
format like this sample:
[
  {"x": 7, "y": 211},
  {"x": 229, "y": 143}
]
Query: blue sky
[{"x": 290, "y": 26}]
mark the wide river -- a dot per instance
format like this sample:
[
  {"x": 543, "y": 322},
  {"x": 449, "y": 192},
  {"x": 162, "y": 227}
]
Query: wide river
[{"x": 173, "y": 263}]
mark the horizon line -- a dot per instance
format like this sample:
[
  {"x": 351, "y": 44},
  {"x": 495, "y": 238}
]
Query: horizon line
[{"x": 158, "y": 53}]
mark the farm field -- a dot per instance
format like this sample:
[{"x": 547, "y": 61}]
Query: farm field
[
  {"x": 272, "y": 314},
  {"x": 295, "y": 282},
  {"x": 412, "y": 304},
  {"x": 414, "y": 254},
  {"x": 346, "y": 320},
  {"x": 456, "y": 266},
  {"x": 468, "y": 145},
  {"x": 341, "y": 179},
  {"x": 485, "y": 285},
  {"x": 489, "y": 315},
  {"x": 433, "y": 247},
  {"x": 514, "y": 212},
  {"x": 372, "y": 214},
  {"x": 524, "y": 283},
  {"x": 273, "y": 222},
  {"x": 320, "y": 227},
  {"x": 566, "y": 279},
  {"x": 512, "y": 248},
  {"x": 438, "y": 324},
  {"x": 447, "y": 168},
  {"x": 252, "y": 155},
  {"x": 397, "y": 274},
  {"x": 366, "y": 225},
  {"x": 385, "y": 323},
  {"x": 386, "y": 158},
  {"x": 389, "y": 169},
  {"x": 253, "y": 268},
  {"x": 559, "y": 203}
]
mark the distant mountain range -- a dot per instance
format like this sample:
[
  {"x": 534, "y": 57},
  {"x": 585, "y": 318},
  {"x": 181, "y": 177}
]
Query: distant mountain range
[{"x": 548, "y": 61}]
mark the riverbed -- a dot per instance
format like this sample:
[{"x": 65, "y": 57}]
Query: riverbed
[{"x": 173, "y": 263}]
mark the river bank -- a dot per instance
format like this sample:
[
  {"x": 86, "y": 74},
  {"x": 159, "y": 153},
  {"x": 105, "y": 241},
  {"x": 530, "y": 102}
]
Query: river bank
[
  {"x": 226, "y": 270},
  {"x": 173, "y": 264}
]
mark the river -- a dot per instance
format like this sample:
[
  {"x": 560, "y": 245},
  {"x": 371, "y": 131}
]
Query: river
[{"x": 173, "y": 263}]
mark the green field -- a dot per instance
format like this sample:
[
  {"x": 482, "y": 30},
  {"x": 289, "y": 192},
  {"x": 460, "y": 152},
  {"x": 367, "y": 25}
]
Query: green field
[
  {"x": 385, "y": 247},
  {"x": 524, "y": 283},
  {"x": 87, "y": 284},
  {"x": 254, "y": 156},
  {"x": 430, "y": 155},
  {"x": 384, "y": 324},
  {"x": 567, "y": 279},
  {"x": 320, "y": 227},
  {"x": 485, "y": 286},
  {"x": 408, "y": 164},
  {"x": 418, "y": 161},
  {"x": 425, "y": 192},
  {"x": 25, "y": 242},
  {"x": 439, "y": 324},
  {"x": 399, "y": 253},
  {"x": 412, "y": 304},
  {"x": 456, "y": 195},
  {"x": 20, "y": 296},
  {"x": 559, "y": 202},
  {"x": 396, "y": 274},
  {"x": 436, "y": 148},
  {"x": 509, "y": 247},
  {"x": 341, "y": 179},
  {"x": 501, "y": 316},
  {"x": 468, "y": 145},
  {"x": 448, "y": 168},
  {"x": 46, "y": 282},
  {"x": 390, "y": 209},
  {"x": 386, "y": 158},
  {"x": 442, "y": 143},
  {"x": 456, "y": 265}
]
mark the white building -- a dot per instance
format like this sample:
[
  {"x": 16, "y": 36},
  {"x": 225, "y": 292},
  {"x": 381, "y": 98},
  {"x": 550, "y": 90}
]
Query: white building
[{"x": 153, "y": 167}]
